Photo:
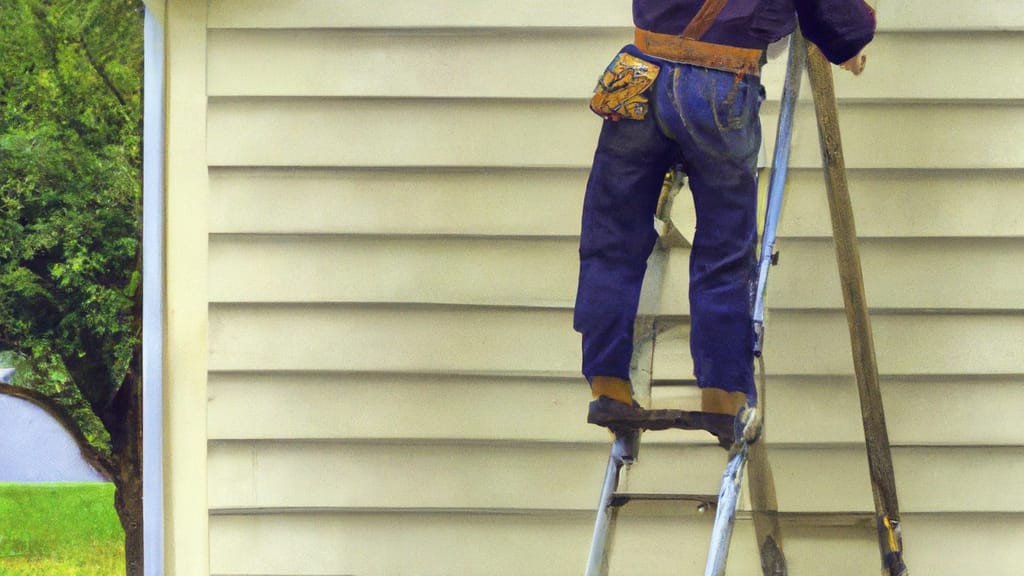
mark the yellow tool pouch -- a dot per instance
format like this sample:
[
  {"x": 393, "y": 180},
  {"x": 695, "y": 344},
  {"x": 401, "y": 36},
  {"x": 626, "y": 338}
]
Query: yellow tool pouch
[{"x": 620, "y": 91}]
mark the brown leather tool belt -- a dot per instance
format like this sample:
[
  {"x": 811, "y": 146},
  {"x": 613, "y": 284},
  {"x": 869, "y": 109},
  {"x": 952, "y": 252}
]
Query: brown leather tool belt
[{"x": 704, "y": 54}]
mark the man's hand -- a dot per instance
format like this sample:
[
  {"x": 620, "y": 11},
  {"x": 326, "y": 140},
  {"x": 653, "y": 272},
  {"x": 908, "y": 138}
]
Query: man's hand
[{"x": 855, "y": 64}]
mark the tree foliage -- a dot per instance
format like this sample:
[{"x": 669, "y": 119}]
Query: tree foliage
[{"x": 70, "y": 186}]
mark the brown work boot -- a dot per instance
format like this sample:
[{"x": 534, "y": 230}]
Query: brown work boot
[
  {"x": 728, "y": 405},
  {"x": 616, "y": 415},
  {"x": 613, "y": 406}
]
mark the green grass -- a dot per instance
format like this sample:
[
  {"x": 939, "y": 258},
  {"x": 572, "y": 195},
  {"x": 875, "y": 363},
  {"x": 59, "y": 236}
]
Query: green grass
[{"x": 64, "y": 529}]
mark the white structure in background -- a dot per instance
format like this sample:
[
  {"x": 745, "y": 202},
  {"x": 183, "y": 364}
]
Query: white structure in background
[{"x": 36, "y": 448}]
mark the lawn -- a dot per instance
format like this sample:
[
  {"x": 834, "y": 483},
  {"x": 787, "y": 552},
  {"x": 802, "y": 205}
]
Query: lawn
[{"x": 64, "y": 529}]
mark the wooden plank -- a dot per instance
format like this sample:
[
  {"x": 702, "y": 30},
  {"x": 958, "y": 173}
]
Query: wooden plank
[
  {"x": 517, "y": 133},
  {"x": 496, "y": 341},
  {"x": 904, "y": 15},
  {"x": 905, "y": 274},
  {"x": 910, "y": 203},
  {"x": 494, "y": 202},
  {"x": 562, "y": 64},
  {"x": 816, "y": 343}
]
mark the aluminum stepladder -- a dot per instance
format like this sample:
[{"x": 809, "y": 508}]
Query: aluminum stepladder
[{"x": 626, "y": 445}]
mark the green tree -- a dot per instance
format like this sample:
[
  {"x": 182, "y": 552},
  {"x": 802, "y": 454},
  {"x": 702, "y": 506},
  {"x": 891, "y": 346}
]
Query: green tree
[{"x": 70, "y": 249}]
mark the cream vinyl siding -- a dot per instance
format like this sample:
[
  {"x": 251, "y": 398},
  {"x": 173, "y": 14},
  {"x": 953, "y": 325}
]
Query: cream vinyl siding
[{"x": 393, "y": 216}]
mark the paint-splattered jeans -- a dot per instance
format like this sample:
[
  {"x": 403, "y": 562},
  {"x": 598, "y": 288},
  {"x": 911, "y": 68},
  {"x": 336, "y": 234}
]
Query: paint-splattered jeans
[{"x": 707, "y": 121}]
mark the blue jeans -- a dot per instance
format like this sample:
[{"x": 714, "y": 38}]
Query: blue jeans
[{"x": 707, "y": 121}]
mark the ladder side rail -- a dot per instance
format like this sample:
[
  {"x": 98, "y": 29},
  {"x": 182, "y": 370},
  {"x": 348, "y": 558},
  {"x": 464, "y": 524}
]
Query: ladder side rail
[
  {"x": 777, "y": 181},
  {"x": 623, "y": 452},
  {"x": 883, "y": 483},
  {"x": 763, "y": 500},
  {"x": 725, "y": 514},
  {"x": 764, "y": 504}
]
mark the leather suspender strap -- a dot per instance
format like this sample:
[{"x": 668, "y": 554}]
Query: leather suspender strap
[
  {"x": 704, "y": 18},
  {"x": 688, "y": 48}
]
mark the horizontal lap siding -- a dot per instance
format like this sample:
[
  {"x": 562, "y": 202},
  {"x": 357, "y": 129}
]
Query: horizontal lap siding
[
  {"x": 531, "y": 202},
  {"x": 550, "y": 544},
  {"x": 906, "y": 344},
  {"x": 409, "y": 270},
  {"x": 318, "y": 132},
  {"x": 349, "y": 406},
  {"x": 916, "y": 15},
  {"x": 911, "y": 203},
  {"x": 423, "y": 64},
  {"x": 907, "y": 274},
  {"x": 490, "y": 201},
  {"x": 428, "y": 339},
  {"x": 805, "y": 410},
  {"x": 394, "y": 208},
  {"x": 425, "y": 270},
  {"x": 927, "y": 410},
  {"x": 520, "y": 476}
]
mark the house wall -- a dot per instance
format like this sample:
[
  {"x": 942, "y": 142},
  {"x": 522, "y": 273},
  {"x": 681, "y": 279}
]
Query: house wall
[{"x": 373, "y": 215}]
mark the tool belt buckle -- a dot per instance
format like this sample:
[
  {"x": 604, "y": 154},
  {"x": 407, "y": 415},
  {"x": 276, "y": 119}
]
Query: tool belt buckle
[{"x": 620, "y": 93}]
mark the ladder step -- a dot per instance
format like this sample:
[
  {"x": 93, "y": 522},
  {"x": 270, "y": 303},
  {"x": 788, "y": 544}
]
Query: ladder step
[{"x": 671, "y": 418}]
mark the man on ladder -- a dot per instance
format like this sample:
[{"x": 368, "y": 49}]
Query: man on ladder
[{"x": 687, "y": 92}]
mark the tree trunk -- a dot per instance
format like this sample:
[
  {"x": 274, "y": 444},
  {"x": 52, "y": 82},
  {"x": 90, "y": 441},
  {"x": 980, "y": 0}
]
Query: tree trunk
[
  {"x": 128, "y": 502},
  {"x": 126, "y": 444}
]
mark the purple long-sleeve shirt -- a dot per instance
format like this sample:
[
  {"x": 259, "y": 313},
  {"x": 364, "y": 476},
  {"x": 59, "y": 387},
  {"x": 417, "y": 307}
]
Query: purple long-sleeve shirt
[{"x": 840, "y": 28}]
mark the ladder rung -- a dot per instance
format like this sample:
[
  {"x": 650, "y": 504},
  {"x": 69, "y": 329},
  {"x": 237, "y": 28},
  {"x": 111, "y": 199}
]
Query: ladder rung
[
  {"x": 702, "y": 500},
  {"x": 864, "y": 520}
]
